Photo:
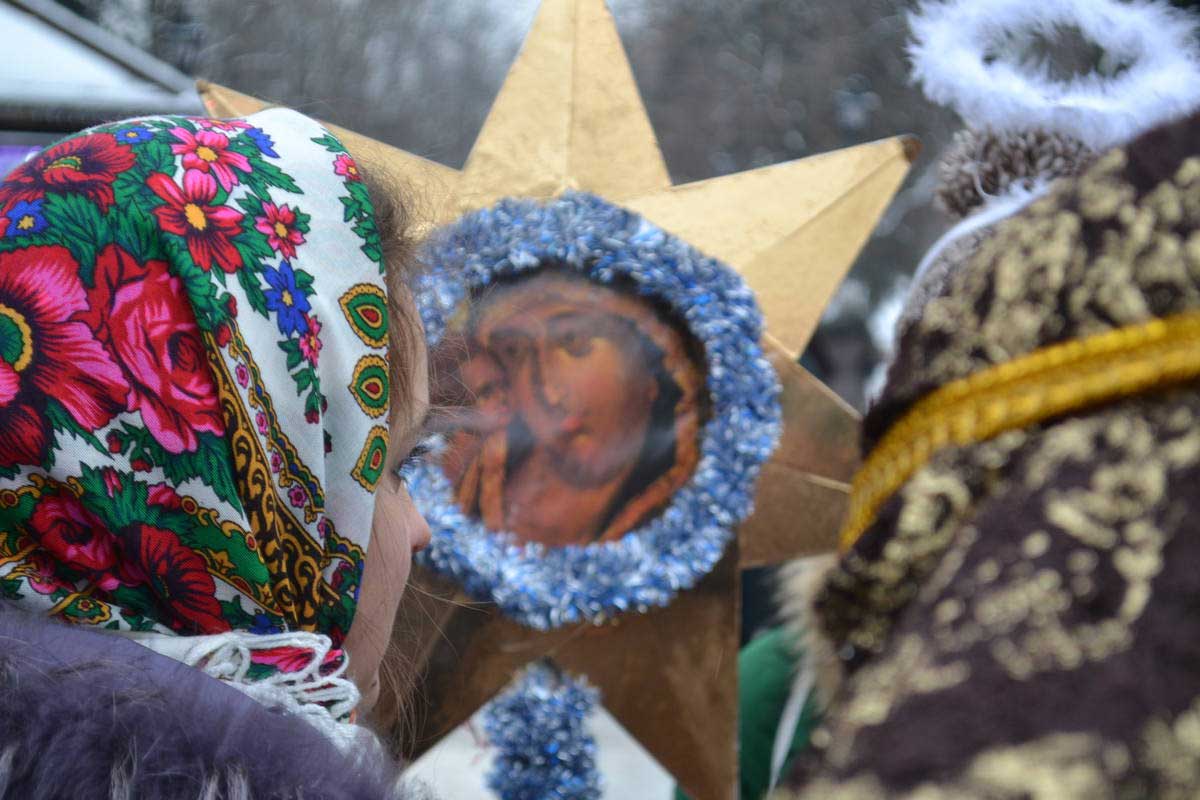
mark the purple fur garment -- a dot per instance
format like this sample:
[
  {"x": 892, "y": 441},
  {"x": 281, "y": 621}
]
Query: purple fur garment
[{"x": 95, "y": 717}]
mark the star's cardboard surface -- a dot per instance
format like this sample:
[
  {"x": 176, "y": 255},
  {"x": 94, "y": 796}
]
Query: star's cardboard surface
[{"x": 569, "y": 116}]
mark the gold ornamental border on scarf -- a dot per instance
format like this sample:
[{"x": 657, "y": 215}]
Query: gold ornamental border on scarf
[{"x": 1046, "y": 383}]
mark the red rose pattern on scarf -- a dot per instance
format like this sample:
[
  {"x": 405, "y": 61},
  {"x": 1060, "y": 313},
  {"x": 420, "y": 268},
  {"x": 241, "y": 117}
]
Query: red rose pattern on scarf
[
  {"x": 118, "y": 248},
  {"x": 141, "y": 313},
  {"x": 86, "y": 165}
]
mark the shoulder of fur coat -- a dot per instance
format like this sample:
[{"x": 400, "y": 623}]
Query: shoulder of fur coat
[{"x": 91, "y": 716}]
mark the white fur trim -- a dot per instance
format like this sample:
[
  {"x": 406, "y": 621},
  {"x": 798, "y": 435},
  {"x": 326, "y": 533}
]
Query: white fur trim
[{"x": 951, "y": 39}]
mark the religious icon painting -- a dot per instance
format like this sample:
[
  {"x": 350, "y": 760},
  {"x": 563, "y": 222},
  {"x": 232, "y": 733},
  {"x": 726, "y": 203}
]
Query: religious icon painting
[
  {"x": 580, "y": 408},
  {"x": 614, "y": 391},
  {"x": 604, "y": 403}
]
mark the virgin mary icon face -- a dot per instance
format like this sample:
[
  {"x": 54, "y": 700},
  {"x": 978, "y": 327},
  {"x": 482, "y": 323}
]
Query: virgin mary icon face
[
  {"x": 580, "y": 382},
  {"x": 584, "y": 410}
]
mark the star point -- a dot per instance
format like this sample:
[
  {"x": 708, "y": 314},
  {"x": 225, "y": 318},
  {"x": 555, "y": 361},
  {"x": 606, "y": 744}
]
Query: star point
[{"x": 569, "y": 117}]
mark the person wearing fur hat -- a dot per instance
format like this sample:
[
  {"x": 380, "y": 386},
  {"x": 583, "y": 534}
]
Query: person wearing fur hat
[
  {"x": 1011, "y": 604},
  {"x": 211, "y": 379}
]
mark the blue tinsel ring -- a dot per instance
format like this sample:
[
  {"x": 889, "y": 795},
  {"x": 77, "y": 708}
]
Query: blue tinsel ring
[{"x": 547, "y": 587}]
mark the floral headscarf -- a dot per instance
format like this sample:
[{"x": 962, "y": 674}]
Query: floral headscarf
[{"x": 193, "y": 377}]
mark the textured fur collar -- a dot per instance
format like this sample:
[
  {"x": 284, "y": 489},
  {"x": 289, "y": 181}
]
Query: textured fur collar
[{"x": 89, "y": 716}]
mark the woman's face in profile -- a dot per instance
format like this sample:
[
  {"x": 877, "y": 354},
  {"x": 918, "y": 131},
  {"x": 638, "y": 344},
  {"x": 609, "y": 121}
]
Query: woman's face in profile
[{"x": 398, "y": 529}]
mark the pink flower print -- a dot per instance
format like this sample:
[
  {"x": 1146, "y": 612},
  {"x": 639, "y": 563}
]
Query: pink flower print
[
  {"x": 189, "y": 212},
  {"x": 333, "y": 659},
  {"x": 284, "y": 659},
  {"x": 276, "y": 462},
  {"x": 297, "y": 496},
  {"x": 346, "y": 167},
  {"x": 220, "y": 124},
  {"x": 141, "y": 311},
  {"x": 208, "y": 151},
  {"x": 74, "y": 536},
  {"x": 163, "y": 494},
  {"x": 49, "y": 353},
  {"x": 260, "y": 419},
  {"x": 42, "y": 576},
  {"x": 279, "y": 225},
  {"x": 310, "y": 342},
  {"x": 112, "y": 481},
  {"x": 243, "y": 375}
]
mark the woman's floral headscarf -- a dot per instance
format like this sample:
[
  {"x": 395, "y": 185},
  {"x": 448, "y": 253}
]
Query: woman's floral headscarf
[{"x": 193, "y": 377}]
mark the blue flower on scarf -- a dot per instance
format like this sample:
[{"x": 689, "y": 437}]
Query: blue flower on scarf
[
  {"x": 264, "y": 143},
  {"x": 26, "y": 218},
  {"x": 263, "y": 626},
  {"x": 134, "y": 134},
  {"x": 286, "y": 299}
]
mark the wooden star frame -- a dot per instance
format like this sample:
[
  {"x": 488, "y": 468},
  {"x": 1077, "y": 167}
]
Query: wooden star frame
[{"x": 569, "y": 116}]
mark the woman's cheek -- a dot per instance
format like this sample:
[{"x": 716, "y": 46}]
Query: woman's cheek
[{"x": 388, "y": 562}]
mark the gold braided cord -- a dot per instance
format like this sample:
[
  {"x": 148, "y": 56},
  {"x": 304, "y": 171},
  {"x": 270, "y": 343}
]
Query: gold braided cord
[{"x": 1049, "y": 382}]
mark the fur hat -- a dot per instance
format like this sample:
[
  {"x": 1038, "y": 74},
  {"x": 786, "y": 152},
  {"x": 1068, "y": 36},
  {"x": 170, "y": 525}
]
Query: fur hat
[{"x": 1024, "y": 129}]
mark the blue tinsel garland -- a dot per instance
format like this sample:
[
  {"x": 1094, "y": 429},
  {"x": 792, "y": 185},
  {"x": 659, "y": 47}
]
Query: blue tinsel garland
[
  {"x": 547, "y": 587},
  {"x": 543, "y": 750}
]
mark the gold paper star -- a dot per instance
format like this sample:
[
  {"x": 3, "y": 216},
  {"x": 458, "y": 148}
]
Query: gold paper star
[{"x": 569, "y": 116}]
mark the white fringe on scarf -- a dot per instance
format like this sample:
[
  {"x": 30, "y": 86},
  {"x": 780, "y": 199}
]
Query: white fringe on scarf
[{"x": 325, "y": 701}]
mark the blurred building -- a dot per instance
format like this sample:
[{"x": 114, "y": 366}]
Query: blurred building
[{"x": 62, "y": 73}]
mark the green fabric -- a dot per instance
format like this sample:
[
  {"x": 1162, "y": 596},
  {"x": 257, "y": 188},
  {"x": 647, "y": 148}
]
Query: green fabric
[{"x": 766, "y": 669}]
